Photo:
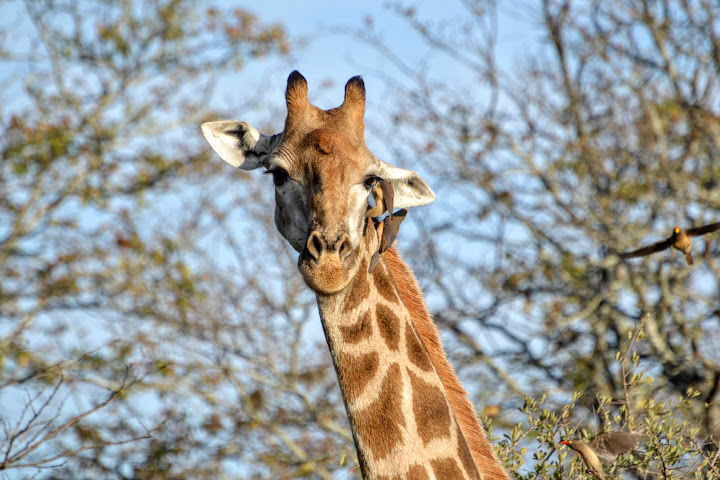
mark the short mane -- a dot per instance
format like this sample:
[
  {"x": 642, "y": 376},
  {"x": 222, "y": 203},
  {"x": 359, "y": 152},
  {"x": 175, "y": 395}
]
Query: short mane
[{"x": 475, "y": 435}]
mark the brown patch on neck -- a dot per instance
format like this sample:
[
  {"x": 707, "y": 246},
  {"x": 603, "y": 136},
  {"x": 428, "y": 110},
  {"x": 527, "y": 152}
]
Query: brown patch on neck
[
  {"x": 384, "y": 283},
  {"x": 389, "y": 325},
  {"x": 358, "y": 290},
  {"x": 415, "y": 472},
  {"x": 358, "y": 331},
  {"x": 446, "y": 468},
  {"x": 430, "y": 409},
  {"x": 358, "y": 371},
  {"x": 481, "y": 449},
  {"x": 416, "y": 352},
  {"x": 380, "y": 423},
  {"x": 418, "y": 472}
]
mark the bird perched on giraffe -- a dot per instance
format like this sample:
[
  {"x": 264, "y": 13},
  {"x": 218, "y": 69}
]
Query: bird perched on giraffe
[
  {"x": 604, "y": 448},
  {"x": 679, "y": 240},
  {"x": 388, "y": 228}
]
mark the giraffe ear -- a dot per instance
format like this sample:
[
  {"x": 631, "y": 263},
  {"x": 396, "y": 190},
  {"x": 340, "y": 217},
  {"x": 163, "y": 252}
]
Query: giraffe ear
[
  {"x": 239, "y": 144},
  {"x": 409, "y": 189}
]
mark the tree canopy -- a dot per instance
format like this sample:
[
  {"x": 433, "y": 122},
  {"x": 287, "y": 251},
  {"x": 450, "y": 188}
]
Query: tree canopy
[
  {"x": 596, "y": 141},
  {"x": 153, "y": 324}
]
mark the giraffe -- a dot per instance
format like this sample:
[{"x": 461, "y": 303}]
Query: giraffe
[{"x": 409, "y": 414}]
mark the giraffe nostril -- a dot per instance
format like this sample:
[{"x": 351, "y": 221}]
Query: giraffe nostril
[
  {"x": 345, "y": 246},
  {"x": 315, "y": 245}
]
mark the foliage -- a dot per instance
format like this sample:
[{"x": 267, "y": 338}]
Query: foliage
[
  {"x": 128, "y": 300},
  {"x": 671, "y": 447},
  {"x": 597, "y": 140},
  {"x": 140, "y": 327}
]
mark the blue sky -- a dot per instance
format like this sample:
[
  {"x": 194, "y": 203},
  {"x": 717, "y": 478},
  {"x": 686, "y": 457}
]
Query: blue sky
[{"x": 330, "y": 54}]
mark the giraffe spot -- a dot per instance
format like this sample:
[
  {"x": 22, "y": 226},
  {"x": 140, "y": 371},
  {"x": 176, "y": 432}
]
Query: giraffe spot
[
  {"x": 389, "y": 326},
  {"x": 356, "y": 372},
  {"x": 432, "y": 415},
  {"x": 358, "y": 331},
  {"x": 416, "y": 351},
  {"x": 384, "y": 283},
  {"x": 358, "y": 290},
  {"x": 418, "y": 472},
  {"x": 380, "y": 425},
  {"x": 446, "y": 468},
  {"x": 466, "y": 458},
  {"x": 386, "y": 477}
]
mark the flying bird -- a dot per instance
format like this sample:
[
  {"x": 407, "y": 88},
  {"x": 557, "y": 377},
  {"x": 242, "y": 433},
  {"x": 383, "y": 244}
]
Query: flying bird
[
  {"x": 679, "y": 240},
  {"x": 604, "y": 448}
]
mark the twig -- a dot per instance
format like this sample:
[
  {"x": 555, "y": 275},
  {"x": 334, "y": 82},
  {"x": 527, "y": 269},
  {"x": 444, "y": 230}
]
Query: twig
[{"x": 624, "y": 358}]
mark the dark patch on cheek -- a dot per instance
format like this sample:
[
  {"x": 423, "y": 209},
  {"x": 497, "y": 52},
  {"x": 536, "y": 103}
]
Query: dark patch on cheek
[
  {"x": 389, "y": 326},
  {"x": 431, "y": 411},
  {"x": 446, "y": 468},
  {"x": 357, "y": 372},
  {"x": 295, "y": 234},
  {"x": 358, "y": 290},
  {"x": 417, "y": 353},
  {"x": 379, "y": 425},
  {"x": 358, "y": 331}
]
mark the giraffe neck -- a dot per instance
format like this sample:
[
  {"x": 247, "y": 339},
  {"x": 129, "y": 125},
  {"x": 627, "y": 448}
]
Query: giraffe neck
[
  {"x": 401, "y": 419},
  {"x": 480, "y": 447}
]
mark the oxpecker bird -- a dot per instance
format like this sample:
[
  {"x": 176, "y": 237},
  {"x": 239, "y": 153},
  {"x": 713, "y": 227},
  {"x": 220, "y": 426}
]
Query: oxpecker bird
[
  {"x": 679, "y": 240},
  {"x": 604, "y": 448}
]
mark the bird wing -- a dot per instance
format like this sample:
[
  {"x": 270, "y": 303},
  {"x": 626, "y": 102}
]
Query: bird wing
[
  {"x": 387, "y": 231},
  {"x": 389, "y": 196},
  {"x": 609, "y": 445},
  {"x": 655, "y": 247},
  {"x": 697, "y": 231},
  {"x": 392, "y": 227}
]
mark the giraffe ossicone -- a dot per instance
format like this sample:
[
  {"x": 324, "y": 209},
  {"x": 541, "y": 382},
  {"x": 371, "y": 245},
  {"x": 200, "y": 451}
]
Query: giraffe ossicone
[{"x": 408, "y": 412}]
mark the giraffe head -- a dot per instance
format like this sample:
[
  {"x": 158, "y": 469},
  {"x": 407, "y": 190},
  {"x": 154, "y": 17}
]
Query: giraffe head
[{"x": 323, "y": 174}]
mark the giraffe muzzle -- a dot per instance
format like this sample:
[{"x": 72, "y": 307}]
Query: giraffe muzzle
[
  {"x": 318, "y": 247},
  {"x": 326, "y": 264}
]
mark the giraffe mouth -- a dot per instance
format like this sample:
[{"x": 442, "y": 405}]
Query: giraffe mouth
[{"x": 328, "y": 274}]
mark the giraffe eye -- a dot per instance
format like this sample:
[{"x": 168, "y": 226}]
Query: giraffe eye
[
  {"x": 279, "y": 175},
  {"x": 371, "y": 181}
]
